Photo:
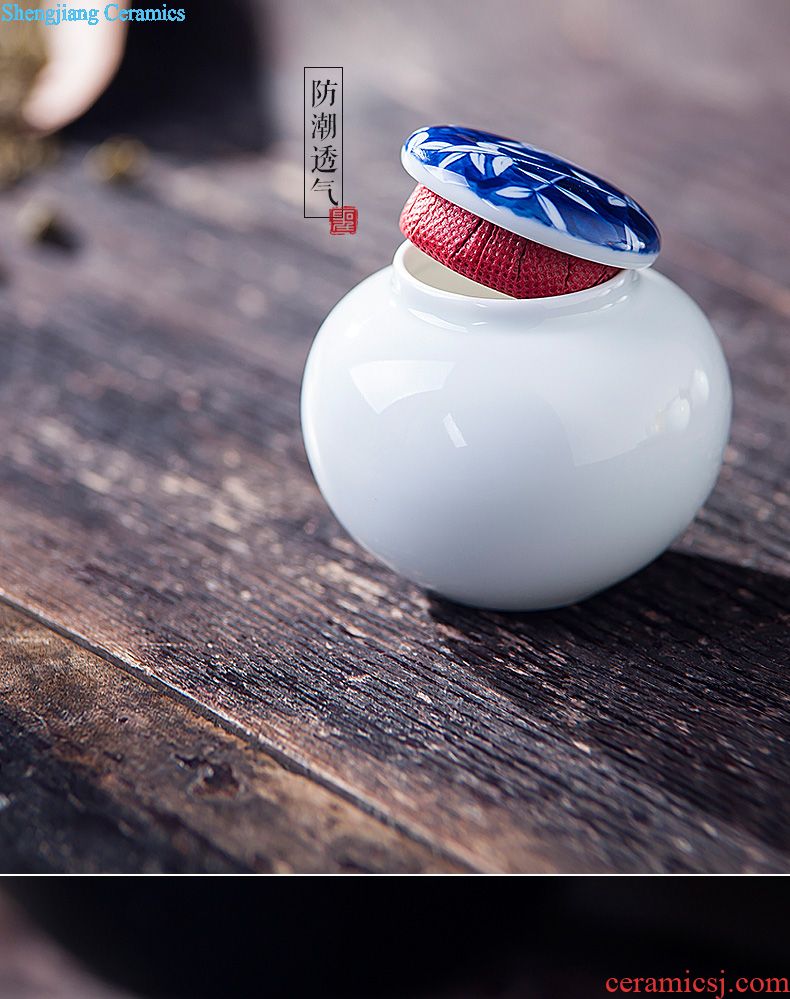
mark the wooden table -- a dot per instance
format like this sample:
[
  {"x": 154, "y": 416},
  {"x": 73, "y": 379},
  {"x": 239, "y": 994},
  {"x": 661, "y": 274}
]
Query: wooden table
[{"x": 202, "y": 672}]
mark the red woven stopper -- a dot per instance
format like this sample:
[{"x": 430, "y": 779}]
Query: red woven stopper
[{"x": 493, "y": 256}]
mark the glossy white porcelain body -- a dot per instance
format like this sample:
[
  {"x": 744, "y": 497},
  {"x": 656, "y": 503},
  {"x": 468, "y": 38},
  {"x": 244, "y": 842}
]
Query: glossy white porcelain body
[{"x": 512, "y": 454}]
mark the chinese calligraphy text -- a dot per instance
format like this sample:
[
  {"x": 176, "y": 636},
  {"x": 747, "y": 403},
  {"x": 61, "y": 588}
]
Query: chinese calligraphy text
[{"x": 323, "y": 140}]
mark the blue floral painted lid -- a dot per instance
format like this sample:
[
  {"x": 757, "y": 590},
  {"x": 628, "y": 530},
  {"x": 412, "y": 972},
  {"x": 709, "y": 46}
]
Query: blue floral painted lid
[{"x": 532, "y": 193}]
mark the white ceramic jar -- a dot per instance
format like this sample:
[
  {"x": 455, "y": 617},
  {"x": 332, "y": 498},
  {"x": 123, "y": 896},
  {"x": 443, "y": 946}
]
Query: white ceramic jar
[{"x": 514, "y": 454}]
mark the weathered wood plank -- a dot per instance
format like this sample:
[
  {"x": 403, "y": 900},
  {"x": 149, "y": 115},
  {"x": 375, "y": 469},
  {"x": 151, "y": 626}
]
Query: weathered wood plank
[
  {"x": 100, "y": 772},
  {"x": 157, "y": 505}
]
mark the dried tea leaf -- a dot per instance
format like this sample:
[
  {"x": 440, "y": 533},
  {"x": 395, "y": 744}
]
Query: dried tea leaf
[
  {"x": 22, "y": 56},
  {"x": 39, "y": 222},
  {"x": 118, "y": 160}
]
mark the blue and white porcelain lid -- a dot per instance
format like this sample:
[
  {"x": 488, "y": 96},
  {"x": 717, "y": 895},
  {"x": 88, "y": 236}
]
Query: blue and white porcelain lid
[{"x": 533, "y": 194}]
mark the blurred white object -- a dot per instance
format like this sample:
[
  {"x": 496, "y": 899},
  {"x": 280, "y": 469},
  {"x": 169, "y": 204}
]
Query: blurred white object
[
  {"x": 514, "y": 454},
  {"x": 82, "y": 59}
]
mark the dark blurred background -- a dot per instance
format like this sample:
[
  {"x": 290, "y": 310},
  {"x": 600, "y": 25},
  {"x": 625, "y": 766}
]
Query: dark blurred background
[
  {"x": 451, "y": 937},
  {"x": 683, "y": 104}
]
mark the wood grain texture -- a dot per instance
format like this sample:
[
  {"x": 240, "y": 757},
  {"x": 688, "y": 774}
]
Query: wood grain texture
[
  {"x": 157, "y": 506},
  {"x": 100, "y": 772}
]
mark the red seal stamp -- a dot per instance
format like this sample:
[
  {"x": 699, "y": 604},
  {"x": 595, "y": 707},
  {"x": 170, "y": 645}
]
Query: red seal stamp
[{"x": 343, "y": 220}]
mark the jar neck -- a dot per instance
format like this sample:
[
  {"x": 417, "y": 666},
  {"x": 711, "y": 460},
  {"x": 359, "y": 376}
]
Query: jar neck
[{"x": 430, "y": 288}]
